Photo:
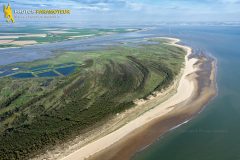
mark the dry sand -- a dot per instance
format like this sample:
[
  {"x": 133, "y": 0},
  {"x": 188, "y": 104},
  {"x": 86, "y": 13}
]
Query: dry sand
[
  {"x": 184, "y": 91},
  {"x": 11, "y": 40},
  {"x": 5, "y": 41},
  {"x": 23, "y": 43},
  {"x": 20, "y": 35},
  {"x": 9, "y": 37},
  {"x": 18, "y": 43}
]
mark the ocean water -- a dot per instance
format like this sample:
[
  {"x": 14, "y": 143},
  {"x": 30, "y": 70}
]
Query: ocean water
[{"x": 215, "y": 133}]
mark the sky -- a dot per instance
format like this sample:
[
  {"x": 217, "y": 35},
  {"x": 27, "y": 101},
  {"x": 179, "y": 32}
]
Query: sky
[{"x": 138, "y": 11}]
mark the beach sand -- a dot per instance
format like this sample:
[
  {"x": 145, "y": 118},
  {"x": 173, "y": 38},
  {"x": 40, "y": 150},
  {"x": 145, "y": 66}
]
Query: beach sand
[
  {"x": 18, "y": 43},
  {"x": 23, "y": 43},
  {"x": 144, "y": 130},
  {"x": 21, "y": 35}
]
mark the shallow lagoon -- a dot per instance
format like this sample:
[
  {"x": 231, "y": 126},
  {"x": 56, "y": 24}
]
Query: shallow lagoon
[
  {"x": 67, "y": 70},
  {"x": 40, "y": 71},
  {"x": 48, "y": 74},
  {"x": 41, "y": 67},
  {"x": 23, "y": 75},
  {"x": 43, "y": 51}
]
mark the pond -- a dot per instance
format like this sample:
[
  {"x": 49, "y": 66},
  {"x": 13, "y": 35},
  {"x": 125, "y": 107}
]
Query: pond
[
  {"x": 48, "y": 74},
  {"x": 23, "y": 75},
  {"x": 67, "y": 70}
]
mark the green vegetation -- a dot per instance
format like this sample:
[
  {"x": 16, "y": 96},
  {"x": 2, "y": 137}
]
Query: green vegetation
[
  {"x": 39, "y": 113},
  {"x": 7, "y": 45}
]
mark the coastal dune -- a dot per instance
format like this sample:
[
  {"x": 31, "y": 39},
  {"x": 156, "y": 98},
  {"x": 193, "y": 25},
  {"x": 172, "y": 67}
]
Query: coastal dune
[{"x": 187, "y": 101}]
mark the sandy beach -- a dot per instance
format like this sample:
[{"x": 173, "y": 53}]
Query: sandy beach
[{"x": 185, "y": 91}]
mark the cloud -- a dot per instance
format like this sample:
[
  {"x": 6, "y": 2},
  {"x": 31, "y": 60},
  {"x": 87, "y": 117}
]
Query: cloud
[{"x": 135, "y": 6}]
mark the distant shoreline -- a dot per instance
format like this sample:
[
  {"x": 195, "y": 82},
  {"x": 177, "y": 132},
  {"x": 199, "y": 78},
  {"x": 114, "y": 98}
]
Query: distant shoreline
[{"x": 112, "y": 145}]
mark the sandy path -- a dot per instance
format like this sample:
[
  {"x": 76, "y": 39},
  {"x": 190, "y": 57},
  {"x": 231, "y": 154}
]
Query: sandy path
[{"x": 184, "y": 91}]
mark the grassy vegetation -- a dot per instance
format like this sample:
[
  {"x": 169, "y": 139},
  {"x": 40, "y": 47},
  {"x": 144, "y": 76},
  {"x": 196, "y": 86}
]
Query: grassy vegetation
[
  {"x": 7, "y": 45},
  {"x": 38, "y": 113}
]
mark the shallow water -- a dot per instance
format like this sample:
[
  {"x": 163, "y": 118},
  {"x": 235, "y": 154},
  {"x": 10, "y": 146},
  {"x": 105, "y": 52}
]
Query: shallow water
[
  {"x": 48, "y": 74},
  {"x": 41, "y": 67},
  {"x": 67, "y": 70},
  {"x": 43, "y": 51},
  {"x": 214, "y": 133},
  {"x": 23, "y": 75}
]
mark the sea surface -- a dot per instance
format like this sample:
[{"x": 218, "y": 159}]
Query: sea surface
[
  {"x": 212, "y": 135},
  {"x": 215, "y": 133}
]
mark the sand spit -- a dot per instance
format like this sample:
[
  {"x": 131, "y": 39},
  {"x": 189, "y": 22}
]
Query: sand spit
[
  {"x": 180, "y": 114},
  {"x": 20, "y": 36},
  {"x": 128, "y": 139}
]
